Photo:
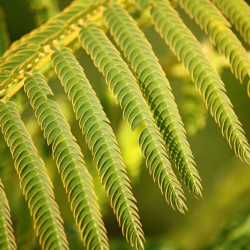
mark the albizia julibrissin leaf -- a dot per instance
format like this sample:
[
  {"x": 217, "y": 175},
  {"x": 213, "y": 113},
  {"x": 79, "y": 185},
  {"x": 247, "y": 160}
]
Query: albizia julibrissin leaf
[
  {"x": 35, "y": 183},
  {"x": 183, "y": 43},
  {"x": 69, "y": 160},
  {"x": 135, "y": 110},
  {"x": 156, "y": 90},
  {"x": 102, "y": 143},
  {"x": 215, "y": 25},
  {"x": 238, "y": 14},
  {"x": 7, "y": 238},
  {"x": 27, "y": 52}
]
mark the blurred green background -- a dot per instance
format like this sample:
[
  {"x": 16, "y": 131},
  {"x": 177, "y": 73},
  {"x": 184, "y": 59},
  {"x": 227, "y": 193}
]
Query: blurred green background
[{"x": 220, "y": 220}]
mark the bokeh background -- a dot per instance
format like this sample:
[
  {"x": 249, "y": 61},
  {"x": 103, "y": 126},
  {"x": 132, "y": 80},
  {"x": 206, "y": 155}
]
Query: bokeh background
[{"x": 220, "y": 220}]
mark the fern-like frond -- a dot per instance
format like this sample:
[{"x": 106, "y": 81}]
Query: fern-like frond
[
  {"x": 56, "y": 24},
  {"x": 7, "y": 239},
  {"x": 215, "y": 25},
  {"x": 43, "y": 10},
  {"x": 4, "y": 37},
  {"x": 157, "y": 91},
  {"x": 101, "y": 141},
  {"x": 29, "y": 51},
  {"x": 34, "y": 180},
  {"x": 135, "y": 110},
  {"x": 183, "y": 43},
  {"x": 18, "y": 57},
  {"x": 238, "y": 14},
  {"x": 69, "y": 159}
]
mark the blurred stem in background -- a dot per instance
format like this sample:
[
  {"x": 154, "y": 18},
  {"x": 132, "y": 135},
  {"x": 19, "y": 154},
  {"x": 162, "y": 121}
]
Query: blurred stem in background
[
  {"x": 226, "y": 197},
  {"x": 43, "y": 9},
  {"x": 4, "y": 37}
]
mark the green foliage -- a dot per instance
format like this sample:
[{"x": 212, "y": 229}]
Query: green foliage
[
  {"x": 7, "y": 239},
  {"x": 217, "y": 27},
  {"x": 207, "y": 81},
  {"x": 141, "y": 89},
  {"x": 156, "y": 90},
  {"x": 69, "y": 159},
  {"x": 31, "y": 49},
  {"x": 101, "y": 140},
  {"x": 238, "y": 14},
  {"x": 122, "y": 83},
  {"x": 34, "y": 180}
]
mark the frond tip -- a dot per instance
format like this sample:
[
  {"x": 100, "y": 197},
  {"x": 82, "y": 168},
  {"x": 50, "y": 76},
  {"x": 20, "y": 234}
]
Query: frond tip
[
  {"x": 34, "y": 180},
  {"x": 7, "y": 239},
  {"x": 69, "y": 159},
  {"x": 123, "y": 85},
  {"x": 183, "y": 43},
  {"x": 157, "y": 92},
  {"x": 102, "y": 143}
]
